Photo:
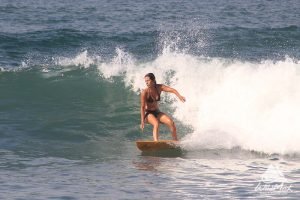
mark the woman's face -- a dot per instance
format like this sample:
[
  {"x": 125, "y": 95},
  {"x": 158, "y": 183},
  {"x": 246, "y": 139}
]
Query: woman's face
[{"x": 149, "y": 82}]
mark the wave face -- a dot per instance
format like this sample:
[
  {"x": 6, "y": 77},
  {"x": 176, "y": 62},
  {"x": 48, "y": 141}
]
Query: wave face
[{"x": 230, "y": 103}]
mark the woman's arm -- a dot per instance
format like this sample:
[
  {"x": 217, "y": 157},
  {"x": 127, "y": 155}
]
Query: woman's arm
[
  {"x": 172, "y": 90},
  {"x": 143, "y": 105}
]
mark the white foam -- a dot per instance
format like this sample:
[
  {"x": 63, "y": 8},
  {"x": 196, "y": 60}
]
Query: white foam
[
  {"x": 121, "y": 63},
  {"x": 82, "y": 59},
  {"x": 229, "y": 102}
]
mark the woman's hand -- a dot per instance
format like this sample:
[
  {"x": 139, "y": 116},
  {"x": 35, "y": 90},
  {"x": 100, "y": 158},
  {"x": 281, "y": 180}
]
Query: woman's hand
[
  {"x": 182, "y": 98},
  {"x": 142, "y": 126}
]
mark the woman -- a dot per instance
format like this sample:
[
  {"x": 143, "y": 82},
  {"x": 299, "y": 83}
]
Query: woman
[{"x": 149, "y": 106}]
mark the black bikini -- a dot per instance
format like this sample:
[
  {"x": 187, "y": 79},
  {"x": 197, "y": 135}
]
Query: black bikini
[
  {"x": 153, "y": 112},
  {"x": 150, "y": 99}
]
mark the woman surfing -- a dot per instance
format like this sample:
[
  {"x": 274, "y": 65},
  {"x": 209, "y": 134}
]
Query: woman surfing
[{"x": 150, "y": 112}]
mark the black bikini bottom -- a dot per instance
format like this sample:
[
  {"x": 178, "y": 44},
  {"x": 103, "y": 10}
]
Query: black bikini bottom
[{"x": 153, "y": 112}]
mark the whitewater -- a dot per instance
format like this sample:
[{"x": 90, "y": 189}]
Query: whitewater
[{"x": 230, "y": 103}]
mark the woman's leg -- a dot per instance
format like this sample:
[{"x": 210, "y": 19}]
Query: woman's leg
[
  {"x": 165, "y": 119},
  {"x": 155, "y": 123}
]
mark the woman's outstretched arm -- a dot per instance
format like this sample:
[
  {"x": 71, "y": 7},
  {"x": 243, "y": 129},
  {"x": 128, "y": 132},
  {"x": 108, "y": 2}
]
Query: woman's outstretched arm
[{"x": 172, "y": 90}]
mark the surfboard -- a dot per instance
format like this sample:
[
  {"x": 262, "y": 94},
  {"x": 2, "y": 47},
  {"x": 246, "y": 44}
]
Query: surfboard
[{"x": 150, "y": 145}]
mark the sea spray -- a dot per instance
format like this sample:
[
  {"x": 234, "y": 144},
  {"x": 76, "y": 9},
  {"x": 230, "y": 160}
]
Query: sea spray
[{"x": 254, "y": 105}]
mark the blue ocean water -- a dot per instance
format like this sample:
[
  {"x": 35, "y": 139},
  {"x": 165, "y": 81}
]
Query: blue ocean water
[{"x": 70, "y": 77}]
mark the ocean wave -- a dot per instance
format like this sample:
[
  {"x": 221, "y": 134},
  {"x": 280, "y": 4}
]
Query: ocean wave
[
  {"x": 253, "y": 105},
  {"x": 230, "y": 103}
]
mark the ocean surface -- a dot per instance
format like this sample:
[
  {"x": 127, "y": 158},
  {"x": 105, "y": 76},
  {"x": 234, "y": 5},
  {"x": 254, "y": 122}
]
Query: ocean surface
[{"x": 70, "y": 77}]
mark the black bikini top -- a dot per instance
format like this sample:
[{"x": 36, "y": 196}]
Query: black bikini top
[{"x": 150, "y": 99}]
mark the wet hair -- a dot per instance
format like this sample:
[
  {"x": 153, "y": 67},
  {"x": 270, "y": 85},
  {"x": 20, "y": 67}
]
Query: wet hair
[{"x": 151, "y": 76}]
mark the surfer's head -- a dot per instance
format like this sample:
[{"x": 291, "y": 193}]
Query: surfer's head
[{"x": 150, "y": 79}]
